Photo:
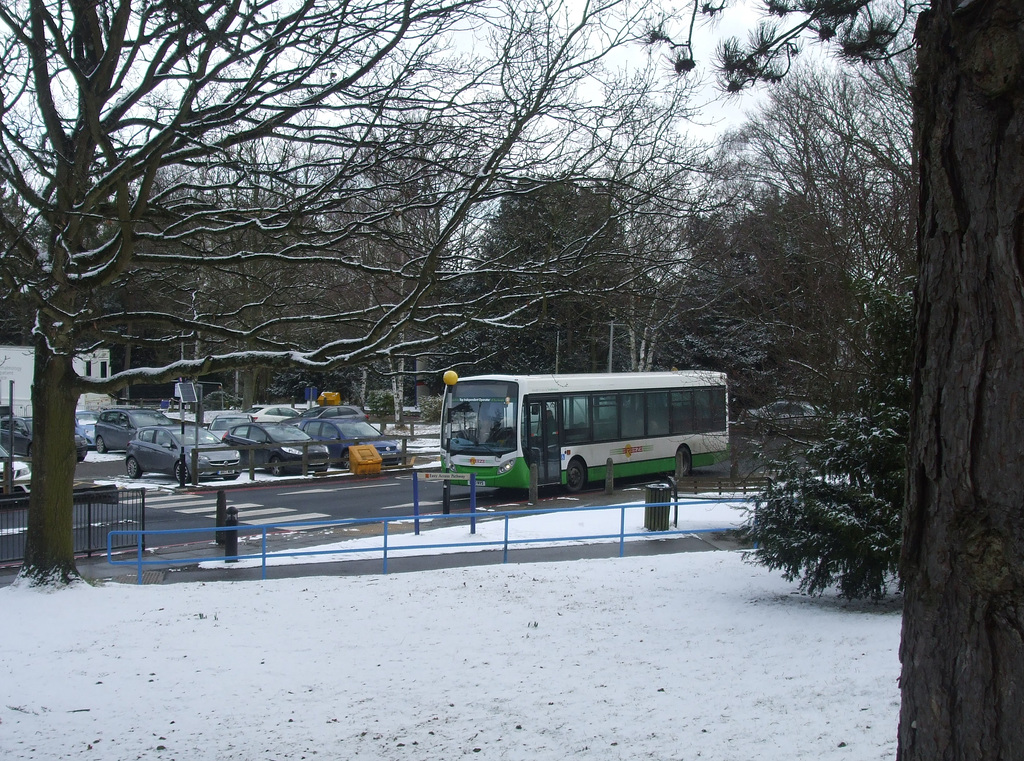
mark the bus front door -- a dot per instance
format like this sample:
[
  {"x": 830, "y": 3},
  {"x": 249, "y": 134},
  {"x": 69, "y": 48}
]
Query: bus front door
[{"x": 542, "y": 428}]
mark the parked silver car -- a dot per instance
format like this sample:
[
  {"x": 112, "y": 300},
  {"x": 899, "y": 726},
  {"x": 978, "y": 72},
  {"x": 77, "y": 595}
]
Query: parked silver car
[
  {"x": 223, "y": 422},
  {"x": 158, "y": 449},
  {"x": 116, "y": 427}
]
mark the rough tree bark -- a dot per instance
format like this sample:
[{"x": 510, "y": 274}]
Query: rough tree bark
[
  {"x": 49, "y": 543},
  {"x": 963, "y": 555}
]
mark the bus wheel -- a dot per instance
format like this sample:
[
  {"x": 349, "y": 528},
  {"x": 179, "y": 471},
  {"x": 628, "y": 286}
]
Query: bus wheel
[
  {"x": 684, "y": 462},
  {"x": 575, "y": 475}
]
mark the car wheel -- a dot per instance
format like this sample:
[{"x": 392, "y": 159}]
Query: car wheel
[
  {"x": 276, "y": 469},
  {"x": 101, "y": 446},
  {"x": 575, "y": 475},
  {"x": 684, "y": 462},
  {"x": 28, "y": 451},
  {"x": 134, "y": 471},
  {"x": 178, "y": 468}
]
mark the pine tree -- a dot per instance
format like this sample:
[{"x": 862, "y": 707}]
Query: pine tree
[{"x": 835, "y": 517}]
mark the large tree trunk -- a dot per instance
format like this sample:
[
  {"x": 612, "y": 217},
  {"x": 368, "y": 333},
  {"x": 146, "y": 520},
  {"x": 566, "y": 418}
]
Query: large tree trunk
[
  {"x": 49, "y": 545},
  {"x": 963, "y": 553}
]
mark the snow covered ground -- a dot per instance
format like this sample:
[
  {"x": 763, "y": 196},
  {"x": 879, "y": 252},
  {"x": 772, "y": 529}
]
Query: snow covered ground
[{"x": 689, "y": 656}]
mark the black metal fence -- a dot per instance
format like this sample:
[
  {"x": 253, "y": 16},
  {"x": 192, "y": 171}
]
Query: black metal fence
[{"x": 95, "y": 512}]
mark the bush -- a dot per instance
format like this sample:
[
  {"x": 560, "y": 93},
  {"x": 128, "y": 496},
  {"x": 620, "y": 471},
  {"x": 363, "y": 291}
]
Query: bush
[
  {"x": 836, "y": 519},
  {"x": 430, "y": 409},
  {"x": 380, "y": 404},
  {"x": 830, "y": 529}
]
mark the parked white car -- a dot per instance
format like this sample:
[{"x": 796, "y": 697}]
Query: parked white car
[
  {"x": 22, "y": 472},
  {"x": 277, "y": 413}
]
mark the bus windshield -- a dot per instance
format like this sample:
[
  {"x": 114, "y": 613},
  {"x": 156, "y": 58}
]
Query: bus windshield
[{"x": 481, "y": 418}]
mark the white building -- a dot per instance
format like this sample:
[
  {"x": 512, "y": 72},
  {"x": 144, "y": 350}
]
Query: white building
[{"x": 17, "y": 365}]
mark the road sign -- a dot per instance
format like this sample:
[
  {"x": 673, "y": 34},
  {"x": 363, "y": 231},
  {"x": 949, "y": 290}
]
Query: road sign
[{"x": 449, "y": 477}]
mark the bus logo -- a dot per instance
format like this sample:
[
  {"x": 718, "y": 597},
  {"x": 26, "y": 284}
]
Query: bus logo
[{"x": 631, "y": 449}]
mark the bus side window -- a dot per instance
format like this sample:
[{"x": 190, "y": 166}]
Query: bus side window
[
  {"x": 681, "y": 411},
  {"x": 606, "y": 417},
  {"x": 576, "y": 418},
  {"x": 657, "y": 413},
  {"x": 632, "y": 419},
  {"x": 703, "y": 417}
]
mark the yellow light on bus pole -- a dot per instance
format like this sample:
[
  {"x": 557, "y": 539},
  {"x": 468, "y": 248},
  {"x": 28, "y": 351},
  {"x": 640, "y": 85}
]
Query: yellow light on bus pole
[{"x": 450, "y": 379}]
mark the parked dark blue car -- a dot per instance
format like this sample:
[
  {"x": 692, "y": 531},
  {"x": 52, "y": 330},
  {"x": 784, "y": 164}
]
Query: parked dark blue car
[{"x": 341, "y": 433}]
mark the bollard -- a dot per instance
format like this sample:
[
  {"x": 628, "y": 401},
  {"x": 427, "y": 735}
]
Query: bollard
[
  {"x": 534, "y": 480},
  {"x": 222, "y": 514},
  {"x": 446, "y": 497},
  {"x": 231, "y": 535},
  {"x": 675, "y": 499},
  {"x": 183, "y": 468},
  {"x": 609, "y": 477}
]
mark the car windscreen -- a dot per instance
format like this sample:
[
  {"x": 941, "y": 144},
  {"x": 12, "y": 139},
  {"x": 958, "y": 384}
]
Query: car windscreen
[
  {"x": 146, "y": 417},
  {"x": 284, "y": 433},
  {"x": 358, "y": 430},
  {"x": 223, "y": 422},
  {"x": 205, "y": 437}
]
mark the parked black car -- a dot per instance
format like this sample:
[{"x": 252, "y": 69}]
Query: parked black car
[
  {"x": 158, "y": 449},
  {"x": 341, "y": 433},
  {"x": 281, "y": 449},
  {"x": 22, "y": 428},
  {"x": 116, "y": 427}
]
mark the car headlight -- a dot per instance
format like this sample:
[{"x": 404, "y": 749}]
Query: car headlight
[
  {"x": 505, "y": 467},
  {"x": 292, "y": 450}
]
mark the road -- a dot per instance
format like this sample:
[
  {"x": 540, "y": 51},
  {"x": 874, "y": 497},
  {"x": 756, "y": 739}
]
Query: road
[
  {"x": 305, "y": 501},
  {"x": 290, "y": 500},
  {"x": 273, "y": 501}
]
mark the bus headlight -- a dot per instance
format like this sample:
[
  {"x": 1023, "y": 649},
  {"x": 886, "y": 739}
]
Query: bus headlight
[{"x": 505, "y": 467}]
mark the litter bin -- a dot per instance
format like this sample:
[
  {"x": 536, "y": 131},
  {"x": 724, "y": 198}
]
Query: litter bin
[{"x": 656, "y": 512}]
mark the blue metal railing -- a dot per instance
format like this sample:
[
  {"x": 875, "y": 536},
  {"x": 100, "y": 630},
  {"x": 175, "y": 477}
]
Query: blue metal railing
[{"x": 120, "y": 538}]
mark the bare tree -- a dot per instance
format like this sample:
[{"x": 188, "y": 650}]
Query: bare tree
[
  {"x": 156, "y": 157},
  {"x": 822, "y": 172}
]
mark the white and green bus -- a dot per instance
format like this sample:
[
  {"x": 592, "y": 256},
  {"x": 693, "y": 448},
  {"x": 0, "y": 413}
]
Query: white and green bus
[{"x": 496, "y": 426}]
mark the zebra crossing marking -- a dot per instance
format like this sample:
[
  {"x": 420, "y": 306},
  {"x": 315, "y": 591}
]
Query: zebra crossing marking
[
  {"x": 249, "y": 513},
  {"x": 212, "y": 508}
]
